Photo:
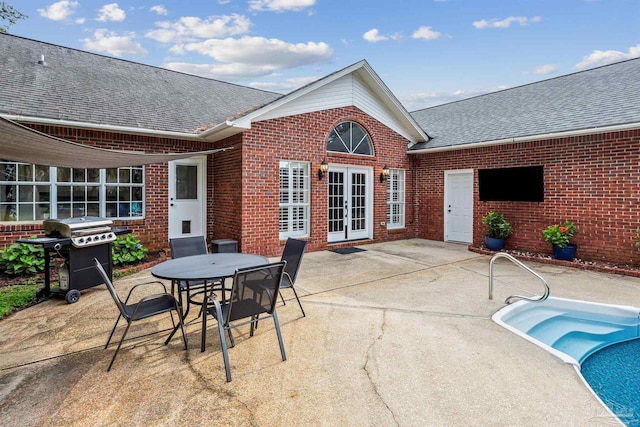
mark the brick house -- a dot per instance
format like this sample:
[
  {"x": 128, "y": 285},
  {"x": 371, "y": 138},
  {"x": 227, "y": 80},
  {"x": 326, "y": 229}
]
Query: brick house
[
  {"x": 337, "y": 162},
  {"x": 264, "y": 189}
]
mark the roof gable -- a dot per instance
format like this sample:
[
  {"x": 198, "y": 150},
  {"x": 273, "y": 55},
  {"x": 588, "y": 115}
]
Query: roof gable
[{"x": 356, "y": 85}]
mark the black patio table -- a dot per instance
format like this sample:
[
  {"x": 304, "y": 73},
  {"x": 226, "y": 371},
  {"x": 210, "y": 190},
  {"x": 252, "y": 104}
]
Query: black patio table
[{"x": 209, "y": 268}]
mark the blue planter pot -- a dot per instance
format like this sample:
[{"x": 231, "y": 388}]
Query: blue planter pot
[
  {"x": 567, "y": 253},
  {"x": 493, "y": 244}
]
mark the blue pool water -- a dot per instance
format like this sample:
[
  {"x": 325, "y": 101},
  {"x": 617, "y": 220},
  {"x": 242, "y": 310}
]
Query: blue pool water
[
  {"x": 614, "y": 375},
  {"x": 601, "y": 340}
]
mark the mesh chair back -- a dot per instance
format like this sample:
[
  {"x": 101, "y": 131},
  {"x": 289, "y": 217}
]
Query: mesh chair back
[
  {"x": 112, "y": 289},
  {"x": 187, "y": 246},
  {"x": 255, "y": 291},
  {"x": 292, "y": 253}
]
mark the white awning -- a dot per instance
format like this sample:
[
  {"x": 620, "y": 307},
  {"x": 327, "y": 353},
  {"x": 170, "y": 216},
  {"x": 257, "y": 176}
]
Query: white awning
[{"x": 21, "y": 144}]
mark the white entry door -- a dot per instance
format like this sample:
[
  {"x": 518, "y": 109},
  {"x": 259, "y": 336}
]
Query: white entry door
[
  {"x": 350, "y": 203},
  {"x": 187, "y": 184},
  {"x": 458, "y": 206}
]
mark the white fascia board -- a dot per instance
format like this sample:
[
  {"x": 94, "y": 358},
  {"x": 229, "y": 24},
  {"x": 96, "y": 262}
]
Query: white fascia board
[
  {"x": 385, "y": 93},
  {"x": 96, "y": 126},
  {"x": 225, "y": 130},
  {"x": 565, "y": 134}
]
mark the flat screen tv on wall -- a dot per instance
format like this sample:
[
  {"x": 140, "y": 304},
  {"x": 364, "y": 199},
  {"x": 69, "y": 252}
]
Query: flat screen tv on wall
[{"x": 523, "y": 184}]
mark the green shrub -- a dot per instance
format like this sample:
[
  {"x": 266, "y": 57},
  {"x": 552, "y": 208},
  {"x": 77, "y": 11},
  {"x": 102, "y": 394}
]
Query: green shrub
[
  {"x": 22, "y": 258},
  {"x": 560, "y": 234},
  {"x": 497, "y": 226},
  {"x": 128, "y": 250}
]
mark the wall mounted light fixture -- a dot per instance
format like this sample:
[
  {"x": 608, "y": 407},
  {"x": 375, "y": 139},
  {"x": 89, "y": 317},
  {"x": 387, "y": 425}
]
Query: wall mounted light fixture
[
  {"x": 324, "y": 167},
  {"x": 384, "y": 174}
]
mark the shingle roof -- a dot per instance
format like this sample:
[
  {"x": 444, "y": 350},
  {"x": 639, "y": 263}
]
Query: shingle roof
[
  {"x": 86, "y": 87},
  {"x": 604, "y": 96}
]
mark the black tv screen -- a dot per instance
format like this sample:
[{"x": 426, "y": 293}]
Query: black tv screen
[{"x": 524, "y": 184}]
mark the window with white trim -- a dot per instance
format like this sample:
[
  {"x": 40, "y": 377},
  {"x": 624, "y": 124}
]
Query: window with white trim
[
  {"x": 350, "y": 137},
  {"x": 35, "y": 192},
  {"x": 395, "y": 198},
  {"x": 294, "y": 199}
]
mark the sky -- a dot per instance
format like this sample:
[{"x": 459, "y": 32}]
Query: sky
[{"x": 427, "y": 52}]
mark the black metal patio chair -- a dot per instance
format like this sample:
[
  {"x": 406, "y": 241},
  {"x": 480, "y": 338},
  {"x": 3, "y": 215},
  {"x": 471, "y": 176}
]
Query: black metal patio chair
[
  {"x": 147, "y": 306},
  {"x": 182, "y": 247},
  {"x": 254, "y": 292},
  {"x": 292, "y": 254}
]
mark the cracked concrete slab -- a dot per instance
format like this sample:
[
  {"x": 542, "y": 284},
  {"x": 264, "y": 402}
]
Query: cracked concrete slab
[{"x": 399, "y": 335}]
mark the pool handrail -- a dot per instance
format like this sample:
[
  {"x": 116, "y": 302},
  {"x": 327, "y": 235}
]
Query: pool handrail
[{"x": 510, "y": 299}]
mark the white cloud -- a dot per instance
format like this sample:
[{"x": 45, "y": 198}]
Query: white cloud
[
  {"x": 159, "y": 9},
  {"x": 59, "y": 11},
  {"x": 188, "y": 27},
  {"x": 111, "y": 12},
  {"x": 543, "y": 69},
  {"x": 226, "y": 72},
  {"x": 603, "y": 57},
  {"x": 280, "y": 5},
  {"x": 259, "y": 51},
  {"x": 506, "y": 23},
  {"x": 117, "y": 45},
  {"x": 426, "y": 33},
  {"x": 250, "y": 57},
  {"x": 284, "y": 86},
  {"x": 374, "y": 36},
  {"x": 429, "y": 99}
]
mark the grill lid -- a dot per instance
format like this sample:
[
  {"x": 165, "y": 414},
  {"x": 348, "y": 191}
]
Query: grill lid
[{"x": 71, "y": 227}]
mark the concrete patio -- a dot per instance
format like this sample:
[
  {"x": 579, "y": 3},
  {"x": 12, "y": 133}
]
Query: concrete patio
[{"x": 397, "y": 335}]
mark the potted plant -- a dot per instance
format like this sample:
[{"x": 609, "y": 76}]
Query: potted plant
[
  {"x": 498, "y": 229},
  {"x": 559, "y": 236}
]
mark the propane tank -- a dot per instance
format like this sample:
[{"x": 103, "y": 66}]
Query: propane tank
[{"x": 63, "y": 277}]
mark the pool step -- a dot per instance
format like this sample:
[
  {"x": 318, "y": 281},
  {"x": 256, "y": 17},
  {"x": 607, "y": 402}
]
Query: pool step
[
  {"x": 580, "y": 345},
  {"x": 580, "y": 337},
  {"x": 525, "y": 320}
]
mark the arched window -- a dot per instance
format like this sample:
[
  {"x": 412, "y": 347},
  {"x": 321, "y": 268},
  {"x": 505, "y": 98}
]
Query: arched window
[{"x": 350, "y": 137}]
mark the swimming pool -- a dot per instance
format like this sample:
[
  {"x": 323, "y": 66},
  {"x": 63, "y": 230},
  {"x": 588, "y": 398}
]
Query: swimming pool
[
  {"x": 570, "y": 329},
  {"x": 599, "y": 340}
]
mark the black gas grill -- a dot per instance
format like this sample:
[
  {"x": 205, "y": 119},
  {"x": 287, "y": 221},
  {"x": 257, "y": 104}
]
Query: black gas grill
[{"x": 77, "y": 241}]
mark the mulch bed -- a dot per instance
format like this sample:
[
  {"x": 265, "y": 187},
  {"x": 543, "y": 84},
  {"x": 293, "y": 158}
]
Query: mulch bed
[{"x": 605, "y": 267}]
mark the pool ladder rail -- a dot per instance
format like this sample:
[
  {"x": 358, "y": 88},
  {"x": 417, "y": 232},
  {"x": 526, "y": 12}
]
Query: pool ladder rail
[{"x": 512, "y": 298}]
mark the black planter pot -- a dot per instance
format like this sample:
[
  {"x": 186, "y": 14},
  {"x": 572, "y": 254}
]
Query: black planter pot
[
  {"x": 493, "y": 244},
  {"x": 567, "y": 253}
]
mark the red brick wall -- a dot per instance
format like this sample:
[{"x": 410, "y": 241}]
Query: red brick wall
[
  {"x": 303, "y": 138},
  {"x": 242, "y": 183},
  {"x": 592, "y": 180}
]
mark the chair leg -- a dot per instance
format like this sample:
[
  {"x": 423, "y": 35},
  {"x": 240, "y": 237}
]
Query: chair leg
[
  {"x": 280, "y": 342},
  {"x": 119, "y": 345},
  {"x": 225, "y": 354},
  {"x": 282, "y": 298},
  {"x": 299, "y": 303},
  {"x": 175, "y": 327},
  {"x": 112, "y": 331}
]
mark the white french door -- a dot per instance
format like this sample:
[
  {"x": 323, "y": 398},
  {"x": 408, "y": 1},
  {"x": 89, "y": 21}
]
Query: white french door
[
  {"x": 187, "y": 184},
  {"x": 350, "y": 203}
]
